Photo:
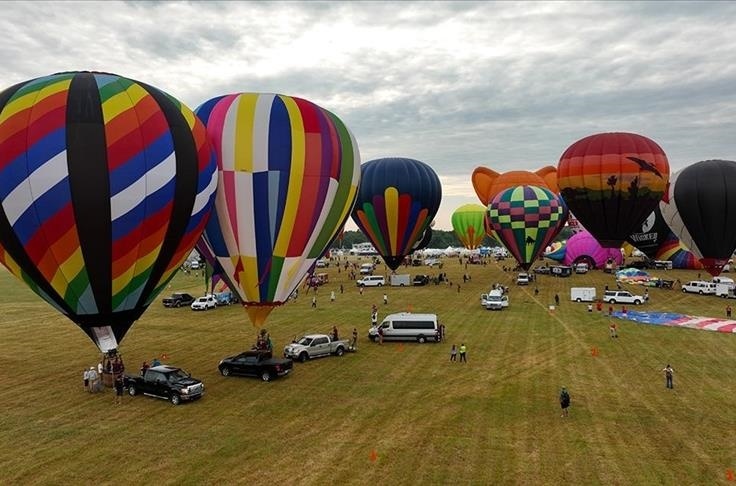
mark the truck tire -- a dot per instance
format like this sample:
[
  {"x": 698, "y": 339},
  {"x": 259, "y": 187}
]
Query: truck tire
[
  {"x": 700, "y": 292},
  {"x": 340, "y": 351},
  {"x": 380, "y": 285},
  {"x": 266, "y": 376},
  {"x": 637, "y": 302},
  {"x": 374, "y": 339},
  {"x": 421, "y": 339},
  {"x": 131, "y": 390},
  {"x": 225, "y": 371},
  {"x": 178, "y": 304},
  {"x": 175, "y": 399},
  {"x": 612, "y": 301},
  {"x": 578, "y": 300},
  {"x": 683, "y": 290},
  {"x": 303, "y": 356}
]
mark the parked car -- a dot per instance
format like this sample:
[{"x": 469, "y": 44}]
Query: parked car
[
  {"x": 406, "y": 326},
  {"x": 322, "y": 263},
  {"x": 167, "y": 382},
  {"x": 226, "y": 298},
  {"x": 522, "y": 279},
  {"x": 204, "y": 303},
  {"x": 663, "y": 264},
  {"x": 699, "y": 287},
  {"x": 544, "y": 270},
  {"x": 431, "y": 262},
  {"x": 367, "y": 268},
  {"x": 195, "y": 265},
  {"x": 178, "y": 299},
  {"x": 420, "y": 280},
  {"x": 582, "y": 268},
  {"x": 495, "y": 300},
  {"x": 622, "y": 297},
  {"x": 255, "y": 363},
  {"x": 315, "y": 346},
  {"x": 561, "y": 271},
  {"x": 371, "y": 281}
]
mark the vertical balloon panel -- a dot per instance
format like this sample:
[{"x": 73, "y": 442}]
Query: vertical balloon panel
[
  {"x": 468, "y": 224},
  {"x": 288, "y": 176},
  {"x": 99, "y": 176}
]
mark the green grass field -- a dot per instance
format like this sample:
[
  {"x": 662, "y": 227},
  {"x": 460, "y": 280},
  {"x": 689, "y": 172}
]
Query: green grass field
[{"x": 391, "y": 414}]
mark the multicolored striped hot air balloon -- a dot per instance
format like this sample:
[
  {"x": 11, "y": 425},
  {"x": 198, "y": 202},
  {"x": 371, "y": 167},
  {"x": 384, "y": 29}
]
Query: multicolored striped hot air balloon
[
  {"x": 671, "y": 249},
  {"x": 288, "y": 176},
  {"x": 612, "y": 182},
  {"x": 526, "y": 219},
  {"x": 397, "y": 201},
  {"x": 467, "y": 221},
  {"x": 106, "y": 183}
]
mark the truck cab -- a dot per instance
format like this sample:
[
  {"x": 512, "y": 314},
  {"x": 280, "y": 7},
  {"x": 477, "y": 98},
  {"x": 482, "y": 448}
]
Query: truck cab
[{"x": 167, "y": 382}]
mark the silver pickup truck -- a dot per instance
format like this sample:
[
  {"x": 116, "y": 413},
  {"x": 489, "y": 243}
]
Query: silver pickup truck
[{"x": 315, "y": 346}]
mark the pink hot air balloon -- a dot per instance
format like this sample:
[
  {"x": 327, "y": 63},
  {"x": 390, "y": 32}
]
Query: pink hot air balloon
[{"x": 584, "y": 248}]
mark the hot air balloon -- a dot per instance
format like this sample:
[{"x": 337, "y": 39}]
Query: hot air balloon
[
  {"x": 106, "y": 184},
  {"x": 650, "y": 235},
  {"x": 584, "y": 248},
  {"x": 488, "y": 183},
  {"x": 526, "y": 219},
  {"x": 467, "y": 221},
  {"x": 612, "y": 182},
  {"x": 700, "y": 207},
  {"x": 288, "y": 175},
  {"x": 671, "y": 249},
  {"x": 397, "y": 201}
]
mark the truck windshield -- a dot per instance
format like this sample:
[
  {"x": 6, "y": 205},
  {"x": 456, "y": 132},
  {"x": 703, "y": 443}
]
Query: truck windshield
[
  {"x": 178, "y": 375},
  {"x": 305, "y": 341}
]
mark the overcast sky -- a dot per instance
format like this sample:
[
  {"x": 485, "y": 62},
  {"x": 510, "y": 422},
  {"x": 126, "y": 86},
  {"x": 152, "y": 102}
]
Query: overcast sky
[{"x": 456, "y": 85}]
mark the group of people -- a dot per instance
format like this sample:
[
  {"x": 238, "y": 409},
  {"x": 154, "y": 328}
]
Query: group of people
[
  {"x": 462, "y": 350},
  {"x": 111, "y": 365},
  {"x": 263, "y": 341}
]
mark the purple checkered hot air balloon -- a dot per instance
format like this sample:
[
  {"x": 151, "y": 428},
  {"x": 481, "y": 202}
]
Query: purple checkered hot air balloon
[
  {"x": 105, "y": 186},
  {"x": 526, "y": 219}
]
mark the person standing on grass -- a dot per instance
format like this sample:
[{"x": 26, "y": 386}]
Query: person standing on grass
[
  {"x": 463, "y": 353},
  {"x": 668, "y": 372},
  {"x": 119, "y": 385},
  {"x": 612, "y": 329},
  {"x": 314, "y": 301},
  {"x": 453, "y": 353},
  {"x": 564, "y": 402},
  {"x": 332, "y": 296},
  {"x": 85, "y": 377},
  {"x": 728, "y": 311},
  {"x": 557, "y": 300},
  {"x": 385, "y": 299},
  {"x": 374, "y": 317}
]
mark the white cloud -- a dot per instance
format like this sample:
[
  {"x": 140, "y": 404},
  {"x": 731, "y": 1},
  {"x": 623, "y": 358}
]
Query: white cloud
[{"x": 454, "y": 84}]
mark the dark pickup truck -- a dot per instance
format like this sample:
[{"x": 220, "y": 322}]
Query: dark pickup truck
[
  {"x": 178, "y": 299},
  {"x": 167, "y": 382},
  {"x": 255, "y": 363}
]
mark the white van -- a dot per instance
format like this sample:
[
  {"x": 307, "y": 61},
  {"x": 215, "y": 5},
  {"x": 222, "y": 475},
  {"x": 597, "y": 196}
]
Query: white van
[
  {"x": 699, "y": 287},
  {"x": 406, "y": 326},
  {"x": 372, "y": 281},
  {"x": 582, "y": 268},
  {"x": 582, "y": 294}
]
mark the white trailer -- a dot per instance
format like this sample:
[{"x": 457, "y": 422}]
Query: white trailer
[
  {"x": 582, "y": 294},
  {"x": 725, "y": 290},
  {"x": 403, "y": 280}
]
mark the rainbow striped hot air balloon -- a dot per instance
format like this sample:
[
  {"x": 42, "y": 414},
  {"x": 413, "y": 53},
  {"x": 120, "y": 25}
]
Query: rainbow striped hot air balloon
[
  {"x": 398, "y": 200},
  {"x": 106, "y": 184},
  {"x": 288, "y": 176},
  {"x": 467, "y": 222},
  {"x": 526, "y": 219}
]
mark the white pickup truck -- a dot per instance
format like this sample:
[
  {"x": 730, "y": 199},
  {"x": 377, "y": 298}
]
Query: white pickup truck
[
  {"x": 494, "y": 300},
  {"x": 315, "y": 346}
]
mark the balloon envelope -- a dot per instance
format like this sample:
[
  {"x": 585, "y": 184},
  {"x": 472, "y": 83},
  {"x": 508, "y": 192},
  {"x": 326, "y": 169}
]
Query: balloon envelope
[
  {"x": 671, "y": 249},
  {"x": 488, "y": 183},
  {"x": 700, "y": 208},
  {"x": 612, "y": 182},
  {"x": 584, "y": 248},
  {"x": 526, "y": 219},
  {"x": 467, "y": 221},
  {"x": 651, "y": 234},
  {"x": 397, "y": 201},
  {"x": 288, "y": 175},
  {"x": 106, "y": 184}
]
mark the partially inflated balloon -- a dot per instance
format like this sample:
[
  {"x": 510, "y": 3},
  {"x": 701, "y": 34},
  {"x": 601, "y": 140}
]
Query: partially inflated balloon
[
  {"x": 700, "y": 208},
  {"x": 106, "y": 184},
  {"x": 288, "y": 176},
  {"x": 612, "y": 182},
  {"x": 397, "y": 201},
  {"x": 671, "y": 249},
  {"x": 582, "y": 247},
  {"x": 467, "y": 221},
  {"x": 526, "y": 219}
]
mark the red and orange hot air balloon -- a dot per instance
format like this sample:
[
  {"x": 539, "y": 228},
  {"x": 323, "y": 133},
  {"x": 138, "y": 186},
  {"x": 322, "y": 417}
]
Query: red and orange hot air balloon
[{"x": 612, "y": 182}]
